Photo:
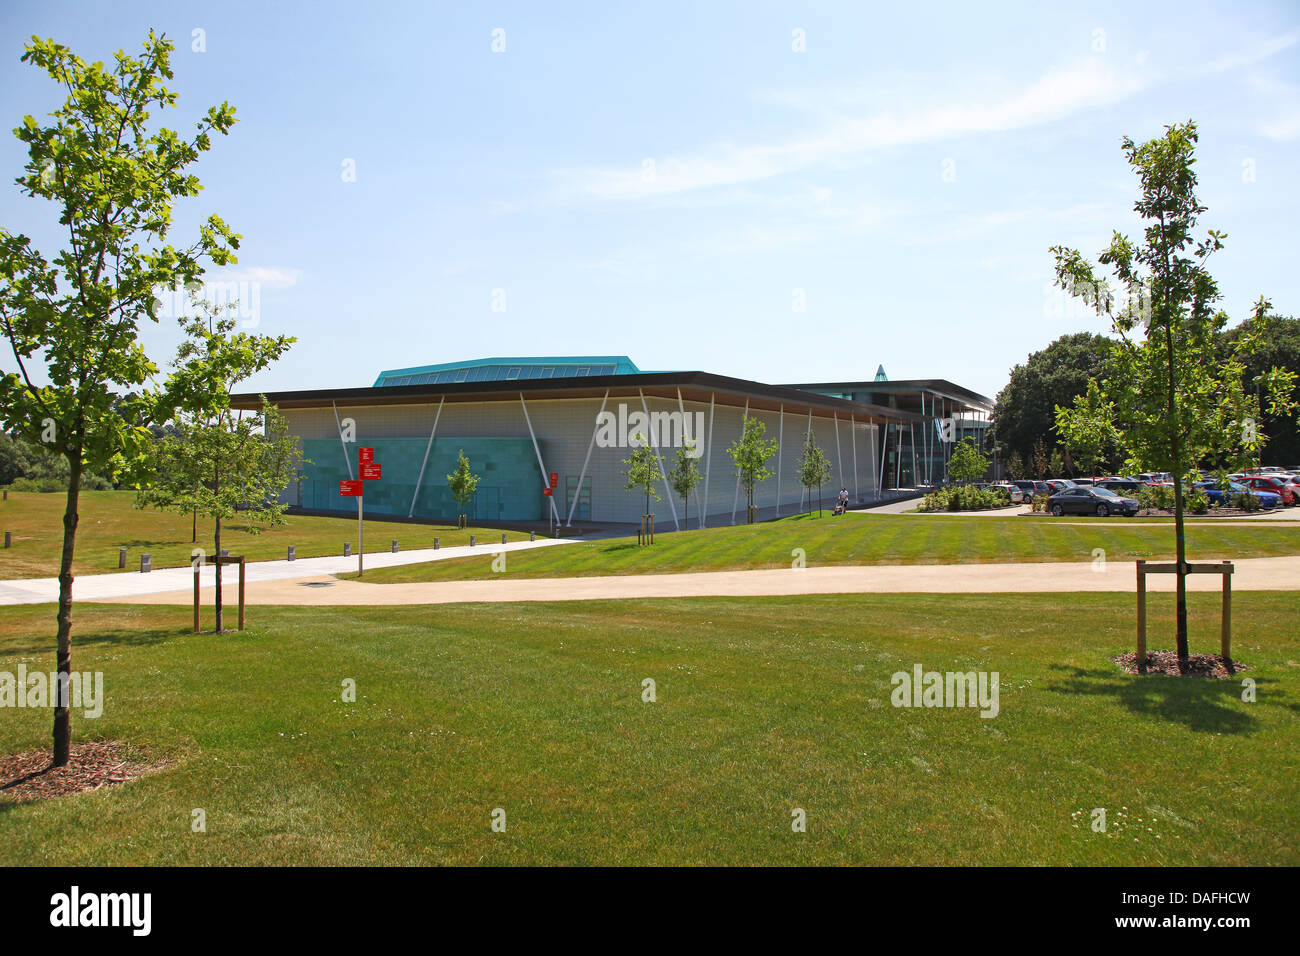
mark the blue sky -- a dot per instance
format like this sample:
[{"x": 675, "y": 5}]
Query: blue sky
[{"x": 670, "y": 181}]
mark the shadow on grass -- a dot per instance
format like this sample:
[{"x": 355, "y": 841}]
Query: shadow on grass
[
  {"x": 1201, "y": 704},
  {"x": 43, "y": 643}
]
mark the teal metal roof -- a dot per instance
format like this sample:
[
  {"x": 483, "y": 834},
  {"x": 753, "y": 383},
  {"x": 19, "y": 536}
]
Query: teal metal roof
[{"x": 509, "y": 369}]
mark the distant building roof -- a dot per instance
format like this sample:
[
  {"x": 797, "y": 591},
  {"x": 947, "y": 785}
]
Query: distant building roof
[{"x": 509, "y": 369}]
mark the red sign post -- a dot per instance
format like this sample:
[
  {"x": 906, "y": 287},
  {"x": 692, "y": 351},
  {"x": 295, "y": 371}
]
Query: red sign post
[
  {"x": 355, "y": 488},
  {"x": 555, "y": 478}
]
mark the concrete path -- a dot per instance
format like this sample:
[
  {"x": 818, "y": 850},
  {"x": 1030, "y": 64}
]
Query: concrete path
[
  {"x": 179, "y": 582},
  {"x": 1252, "y": 574}
]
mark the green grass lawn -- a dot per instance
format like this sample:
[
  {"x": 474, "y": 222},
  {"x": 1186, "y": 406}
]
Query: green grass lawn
[
  {"x": 869, "y": 539},
  {"x": 110, "y": 520},
  {"x": 764, "y": 705}
]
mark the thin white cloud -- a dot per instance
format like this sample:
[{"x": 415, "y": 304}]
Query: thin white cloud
[
  {"x": 1086, "y": 83},
  {"x": 1259, "y": 52}
]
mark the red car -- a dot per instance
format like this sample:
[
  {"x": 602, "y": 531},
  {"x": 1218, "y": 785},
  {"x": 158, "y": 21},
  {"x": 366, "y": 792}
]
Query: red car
[{"x": 1269, "y": 483}]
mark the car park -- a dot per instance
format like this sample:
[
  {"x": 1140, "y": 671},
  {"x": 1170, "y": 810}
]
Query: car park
[
  {"x": 1091, "y": 501},
  {"x": 1221, "y": 496},
  {"x": 1272, "y": 483}
]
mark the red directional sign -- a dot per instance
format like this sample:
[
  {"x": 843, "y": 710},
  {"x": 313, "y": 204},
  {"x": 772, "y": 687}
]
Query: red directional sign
[
  {"x": 350, "y": 489},
  {"x": 555, "y": 478},
  {"x": 365, "y": 455},
  {"x": 547, "y": 492},
  {"x": 370, "y": 471}
]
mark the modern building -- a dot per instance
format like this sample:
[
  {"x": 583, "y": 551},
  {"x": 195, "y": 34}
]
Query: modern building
[
  {"x": 548, "y": 437},
  {"x": 917, "y": 455}
]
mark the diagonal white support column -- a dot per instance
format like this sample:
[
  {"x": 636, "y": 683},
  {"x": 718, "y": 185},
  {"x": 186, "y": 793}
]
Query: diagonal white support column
[
  {"x": 915, "y": 481},
  {"x": 545, "y": 474},
  {"x": 708, "y": 458},
  {"x": 346, "y": 457},
  {"x": 839, "y": 459},
  {"x": 853, "y": 440},
  {"x": 654, "y": 443},
  {"x": 780, "y": 441},
  {"x": 884, "y": 442},
  {"x": 586, "y": 461},
  {"x": 735, "y": 499},
  {"x": 427, "y": 447}
]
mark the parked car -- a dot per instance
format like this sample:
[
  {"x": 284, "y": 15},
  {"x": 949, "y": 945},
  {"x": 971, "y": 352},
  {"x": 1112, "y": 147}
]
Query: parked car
[
  {"x": 1121, "y": 485},
  {"x": 1015, "y": 491},
  {"x": 1059, "y": 484},
  {"x": 1271, "y": 483},
  {"x": 1032, "y": 488},
  {"x": 1219, "y": 496},
  {"x": 1091, "y": 501}
]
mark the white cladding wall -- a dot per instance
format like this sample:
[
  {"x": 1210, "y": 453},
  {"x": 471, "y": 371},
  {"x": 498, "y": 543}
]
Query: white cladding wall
[{"x": 564, "y": 430}]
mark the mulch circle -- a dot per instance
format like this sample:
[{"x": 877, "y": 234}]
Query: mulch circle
[
  {"x": 1166, "y": 662},
  {"x": 28, "y": 776}
]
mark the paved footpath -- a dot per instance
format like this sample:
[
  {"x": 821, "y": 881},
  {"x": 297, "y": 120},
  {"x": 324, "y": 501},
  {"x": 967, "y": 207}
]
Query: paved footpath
[
  {"x": 1252, "y": 574},
  {"x": 132, "y": 585}
]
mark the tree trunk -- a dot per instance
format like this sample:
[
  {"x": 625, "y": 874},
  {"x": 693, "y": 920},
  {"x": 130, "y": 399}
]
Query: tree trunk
[
  {"x": 216, "y": 600},
  {"x": 1179, "y": 542},
  {"x": 62, "y": 721}
]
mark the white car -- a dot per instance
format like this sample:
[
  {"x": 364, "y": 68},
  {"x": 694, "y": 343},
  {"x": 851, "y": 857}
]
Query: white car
[{"x": 1017, "y": 494}]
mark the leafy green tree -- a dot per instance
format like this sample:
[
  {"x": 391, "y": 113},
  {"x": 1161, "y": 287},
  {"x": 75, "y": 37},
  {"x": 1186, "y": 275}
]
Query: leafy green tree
[
  {"x": 642, "y": 470},
  {"x": 1025, "y": 410},
  {"x": 219, "y": 462},
  {"x": 1278, "y": 346},
  {"x": 1039, "y": 461},
  {"x": 462, "y": 484},
  {"x": 1173, "y": 392},
  {"x": 967, "y": 464},
  {"x": 1056, "y": 462},
  {"x": 1015, "y": 467},
  {"x": 682, "y": 479},
  {"x": 750, "y": 454},
  {"x": 113, "y": 178},
  {"x": 813, "y": 469}
]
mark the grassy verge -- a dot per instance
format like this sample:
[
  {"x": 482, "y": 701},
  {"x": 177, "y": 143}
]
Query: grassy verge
[
  {"x": 763, "y": 705},
  {"x": 109, "y": 520},
  {"x": 868, "y": 539}
]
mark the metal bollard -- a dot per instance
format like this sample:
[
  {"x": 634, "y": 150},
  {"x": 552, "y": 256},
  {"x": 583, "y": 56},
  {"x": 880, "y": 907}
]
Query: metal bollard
[
  {"x": 394, "y": 546},
  {"x": 531, "y": 536},
  {"x": 7, "y": 539},
  {"x": 435, "y": 544},
  {"x": 121, "y": 557},
  {"x": 144, "y": 563},
  {"x": 347, "y": 549},
  {"x": 292, "y": 555},
  {"x": 503, "y": 537},
  {"x": 471, "y": 541}
]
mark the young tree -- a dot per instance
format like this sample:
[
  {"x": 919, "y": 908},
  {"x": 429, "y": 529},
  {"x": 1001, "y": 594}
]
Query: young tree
[
  {"x": 113, "y": 181},
  {"x": 643, "y": 470},
  {"x": 683, "y": 478},
  {"x": 1015, "y": 467},
  {"x": 750, "y": 453},
  {"x": 1172, "y": 392},
  {"x": 814, "y": 469},
  {"x": 1040, "y": 462},
  {"x": 463, "y": 484},
  {"x": 1056, "y": 462},
  {"x": 967, "y": 464}
]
